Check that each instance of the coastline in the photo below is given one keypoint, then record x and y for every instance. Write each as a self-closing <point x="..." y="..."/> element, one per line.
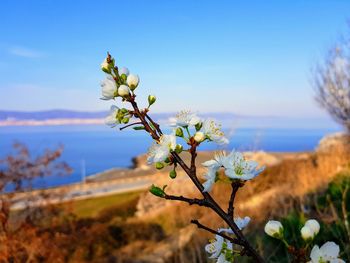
<point x="51" y="122"/>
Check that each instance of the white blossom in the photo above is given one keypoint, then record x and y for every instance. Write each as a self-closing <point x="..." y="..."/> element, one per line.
<point x="111" y="119"/>
<point x="109" y="88"/>
<point x="132" y="81"/>
<point x="219" y="248"/>
<point x="274" y="229"/>
<point x="242" y="222"/>
<point x="124" y="71"/>
<point x="124" y="91"/>
<point x="313" y="225"/>
<point x="213" y="132"/>
<point x="215" y="246"/>
<point x="210" y="177"/>
<point x="236" y="167"/>
<point x="310" y="229"/>
<point x="307" y="233"/>
<point x="185" y="119"/>
<point x="219" y="160"/>
<point x="199" y="136"/>
<point x="329" y="252"/>
<point x="159" y="151"/>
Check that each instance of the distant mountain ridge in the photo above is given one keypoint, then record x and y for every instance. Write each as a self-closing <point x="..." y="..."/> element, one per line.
<point x="227" y="119"/>
<point x="70" y="114"/>
<point x="50" y="114"/>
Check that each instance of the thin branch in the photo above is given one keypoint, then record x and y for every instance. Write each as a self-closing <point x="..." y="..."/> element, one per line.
<point x="190" y="201"/>
<point x="156" y="125"/>
<point x="131" y="124"/>
<point x="235" y="187"/>
<point x="200" y="226"/>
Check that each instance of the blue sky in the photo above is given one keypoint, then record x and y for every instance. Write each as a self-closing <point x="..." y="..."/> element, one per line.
<point x="247" y="57"/>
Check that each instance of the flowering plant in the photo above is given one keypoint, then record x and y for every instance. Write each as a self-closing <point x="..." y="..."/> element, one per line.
<point x="166" y="150"/>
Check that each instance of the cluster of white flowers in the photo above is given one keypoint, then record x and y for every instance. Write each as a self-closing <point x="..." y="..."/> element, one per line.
<point x="118" y="83"/>
<point x="235" y="165"/>
<point x="310" y="229"/>
<point x="111" y="89"/>
<point x="222" y="249"/>
<point x="328" y="253"/>
<point x="204" y="130"/>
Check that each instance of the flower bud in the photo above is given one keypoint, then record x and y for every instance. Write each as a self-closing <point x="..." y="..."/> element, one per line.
<point x="123" y="91"/>
<point x="151" y="99"/>
<point x="159" y="165"/>
<point x="313" y="225"/>
<point x="132" y="81"/>
<point x="125" y="120"/>
<point x="179" y="132"/>
<point x="105" y="66"/>
<point x="172" y="174"/>
<point x="178" y="148"/>
<point x="307" y="233"/>
<point x="199" y="137"/>
<point x="198" y="126"/>
<point x="124" y="71"/>
<point x="274" y="229"/>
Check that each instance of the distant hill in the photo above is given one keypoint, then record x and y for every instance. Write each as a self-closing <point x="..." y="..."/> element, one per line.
<point x="66" y="117"/>
<point x="69" y="114"/>
<point x="50" y="114"/>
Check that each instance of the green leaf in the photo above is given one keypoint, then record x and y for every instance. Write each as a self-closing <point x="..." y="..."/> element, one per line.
<point x="155" y="190"/>
<point x="138" y="128"/>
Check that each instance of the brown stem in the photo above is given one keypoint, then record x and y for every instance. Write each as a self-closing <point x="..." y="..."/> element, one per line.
<point x="190" y="201"/>
<point x="156" y="125"/>
<point x="235" y="187"/>
<point x="233" y="240"/>
<point x="131" y="124"/>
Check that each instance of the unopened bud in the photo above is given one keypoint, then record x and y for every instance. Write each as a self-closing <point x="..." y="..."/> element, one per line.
<point x="124" y="72"/>
<point x="198" y="126"/>
<point x="105" y="66"/>
<point x="125" y="120"/>
<point x="159" y="165"/>
<point x="151" y="99"/>
<point x="132" y="81"/>
<point x="172" y="174"/>
<point x="178" y="148"/>
<point x="274" y="229"/>
<point x="199" y="137"/>
<point x="307" y="233"/>
<point x="179" y="132"/>
<point x="123" y="91"/>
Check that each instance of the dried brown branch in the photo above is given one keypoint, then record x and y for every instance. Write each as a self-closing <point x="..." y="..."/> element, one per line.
<point x="200" y="226"/>
<point x="235" y="187"/>
<point x="190" y="201"/>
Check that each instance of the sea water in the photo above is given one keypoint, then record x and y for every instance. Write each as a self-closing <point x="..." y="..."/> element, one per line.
<point x="89" y="149"/>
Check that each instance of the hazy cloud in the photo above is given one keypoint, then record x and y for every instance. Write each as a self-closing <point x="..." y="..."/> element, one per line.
<point x="25" y="52"/>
